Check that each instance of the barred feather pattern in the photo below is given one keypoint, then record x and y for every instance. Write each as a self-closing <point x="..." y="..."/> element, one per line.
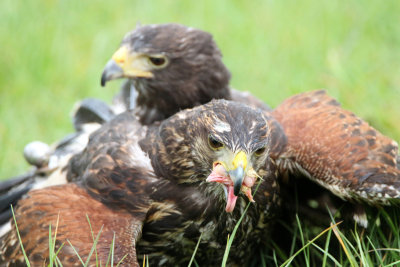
<point x="338" y="150"/>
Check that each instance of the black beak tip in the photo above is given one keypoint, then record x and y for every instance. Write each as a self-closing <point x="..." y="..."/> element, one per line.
<point x="103" y="80"/>
<point x="237" y="177"/>
<point x="236" y="188"/>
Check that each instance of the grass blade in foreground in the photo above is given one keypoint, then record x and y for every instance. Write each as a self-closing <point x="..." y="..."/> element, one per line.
<point x="195" y="250"/>
<point x="349" y="256"/>
<point x="232" y="236"/>
<point x="288" y="261"/>
<point x="19" y="238"/>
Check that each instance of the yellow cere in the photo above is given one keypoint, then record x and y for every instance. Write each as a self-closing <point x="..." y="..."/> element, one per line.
<point x="121" y="55"/>
<point x="240" y="160"/>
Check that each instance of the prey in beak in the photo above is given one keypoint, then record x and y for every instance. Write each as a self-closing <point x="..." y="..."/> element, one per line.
<point x="127" y="64"/>
<point x="235" y="178"/>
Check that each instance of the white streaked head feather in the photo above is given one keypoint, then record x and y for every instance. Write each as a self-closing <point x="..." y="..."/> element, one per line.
<point x="221" y="126"/>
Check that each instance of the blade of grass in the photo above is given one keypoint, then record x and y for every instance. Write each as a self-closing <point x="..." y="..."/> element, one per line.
<point x="263" y="263"/>
<point x="94" y="247"/>
<point x="52" y="242"/>
<point x="76" y="252"/>
<point x="325" y="254"/>
<point x="365" y="260"/>
<point x="293" y="245"/>
<point x="123" y="258"/>
<point x="288" y="261"/>
<point x="393" y="264"/>
<point x="275" y="259"/>
<point x="305" y="251"/>
<point x="338" y="236"/>
<point x="328" y="255"/>
<point x="195" y="250"/>
<point x="230" y="240"/>
<point x="91" y="251"/>
<point x="378" y="256"/>
<point x="50" y="247"/>
<point x="59" y="262"/>
<point x="19" y="238"/>
<point x="386" y="249"/>
<point x="110" y="258"/>
<point x="277" y="251"/>
<point x="58" y="251"/>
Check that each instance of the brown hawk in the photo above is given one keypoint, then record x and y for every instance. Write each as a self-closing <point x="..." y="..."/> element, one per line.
<point x="171" y="67"/>
<point x="157" y="188"/>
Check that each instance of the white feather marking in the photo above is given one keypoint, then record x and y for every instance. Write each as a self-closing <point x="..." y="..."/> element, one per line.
<point x="221" y="126"/>
<point x="5" y="228"/>
<point x="181" y="115"/>
<point x="179" y="139"/>
<point x="139" y="158"/>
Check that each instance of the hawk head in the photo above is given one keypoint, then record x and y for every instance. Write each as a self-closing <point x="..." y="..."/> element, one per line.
<point x="171" y="66"/>
<point x="223" y="146"/>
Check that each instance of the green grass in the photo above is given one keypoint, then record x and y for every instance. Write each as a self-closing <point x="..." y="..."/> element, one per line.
<point x="343" y="245"/>
<point x="53" y="53"/>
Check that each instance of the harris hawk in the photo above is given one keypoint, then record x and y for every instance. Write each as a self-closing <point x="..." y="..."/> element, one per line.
<point x="192" y="189"/>
<point x="157" y="189"/>
<point x="170" y="67"/>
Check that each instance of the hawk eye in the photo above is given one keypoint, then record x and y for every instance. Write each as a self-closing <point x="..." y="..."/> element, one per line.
<point x="158" y="61"/>
<point x="214" y="143"/>
<point x="259" y="151"/>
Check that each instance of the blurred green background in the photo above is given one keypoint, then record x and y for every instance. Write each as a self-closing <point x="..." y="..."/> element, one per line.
<point x="53" y="53"/>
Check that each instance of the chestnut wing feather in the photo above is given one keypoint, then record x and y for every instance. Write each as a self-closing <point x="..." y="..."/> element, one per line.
<point x="337" y="149"/>
<point x="69" y="204"/>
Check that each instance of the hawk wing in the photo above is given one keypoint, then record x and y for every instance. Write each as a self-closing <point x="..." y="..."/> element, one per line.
<point x="65" y="208"/>
<point x="111" y="173"/>
<point x="337" y="149"/>
<point x="49" y="161"/>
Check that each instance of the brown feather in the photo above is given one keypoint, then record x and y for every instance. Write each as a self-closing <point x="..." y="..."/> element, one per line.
<point x="337" y="149"/>
<point x="69" y="204"/>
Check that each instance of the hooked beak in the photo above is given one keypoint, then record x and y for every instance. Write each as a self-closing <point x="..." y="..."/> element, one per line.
<point x="111" y="71"/>
<point x="237" y="175"/>
<point x="235" y="178"/>
<point x="125" y="64"/>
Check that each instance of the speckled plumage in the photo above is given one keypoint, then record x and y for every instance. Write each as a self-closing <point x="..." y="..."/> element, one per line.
<point x="338" y="150"/>
<point x="157" y="186"/>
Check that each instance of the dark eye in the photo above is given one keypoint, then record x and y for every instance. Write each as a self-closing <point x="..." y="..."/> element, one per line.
<point x="214" y="144"/>
<point x="259" y="151"/>
<point x="158" y="61"/>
